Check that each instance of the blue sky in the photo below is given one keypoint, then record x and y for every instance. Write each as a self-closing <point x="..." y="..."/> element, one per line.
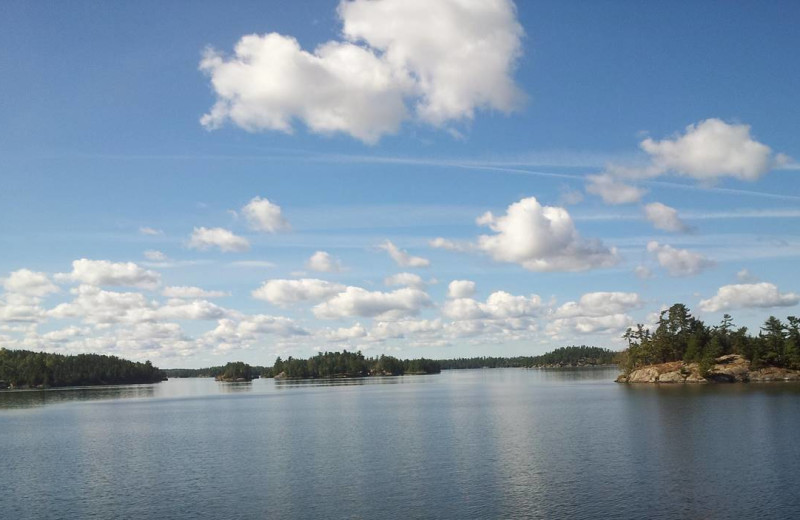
<point x="631" y="157"/>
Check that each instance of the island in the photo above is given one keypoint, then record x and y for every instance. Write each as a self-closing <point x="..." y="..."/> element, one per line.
<point x="26" y="369"/>
<point x="236" y="372"/>
<point x="683" y="349"/>
<point x="349" y="364"/>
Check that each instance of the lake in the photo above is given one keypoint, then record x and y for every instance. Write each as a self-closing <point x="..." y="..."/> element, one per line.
<point x="502" y="443"/>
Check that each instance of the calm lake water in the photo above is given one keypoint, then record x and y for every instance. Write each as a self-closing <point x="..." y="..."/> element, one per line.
<point x="505" y="443"/>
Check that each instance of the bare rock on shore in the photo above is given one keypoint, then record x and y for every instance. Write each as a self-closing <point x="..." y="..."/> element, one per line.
<point x="732" y="368"/>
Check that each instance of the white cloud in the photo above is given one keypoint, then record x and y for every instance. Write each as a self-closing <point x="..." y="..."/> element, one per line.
<point x="203" y="238"/>
<point x="612" y="191"/>
<point x="150" y="231"/>
<point x="679" y="262"/>
<point x="407" y="279"/>
<point x="499" y="305"/>
<point x="451" y="245"/>
<point x="461" y="54"/>
<point x="402" y="257"/>
<point x="405" y="328"/>
<point x="449" y="57"/>
<point x="263" y="215"/>
<point x="29" y="283"/>
<point x="191" y="293"/>
<point x="155" y="256"/>
<point x="103" y="272"/>
<point x="711" y="149"/>
<point x="357" y="331"/>
<point x="97" y="306"/>
<point x="745" y="276"/>
<point x="285" y="292"/>
<point x="541" y="238"/>
<point x="178" y="309"/>
<point x="643" y="272"/>
<point x="614" y="324"/>
<point x="461" y="289"/>
<point x="749" y="295"/>
<point x="598" y="304"/>
<point x="594" y="313"/>
<point x="355" y="301"/>
<point x="664" y="217"/>
<point x="323" y="262"/>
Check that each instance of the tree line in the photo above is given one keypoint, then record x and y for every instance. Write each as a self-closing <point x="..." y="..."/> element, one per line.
<point x="679" y="336"/>
<point x="350" y="364"/>
<point x="565" y="356"/>
<point x="23" y="368"/>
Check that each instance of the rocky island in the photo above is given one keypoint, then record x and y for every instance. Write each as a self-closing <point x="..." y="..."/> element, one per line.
<point x="732" y="368"/>
<point x="683" y="349"/>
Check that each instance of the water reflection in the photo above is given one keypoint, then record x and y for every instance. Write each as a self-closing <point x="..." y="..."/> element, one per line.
<point x="227" y="387"/>
<point x="37" y="398"/>
<point x="347" y="381"/>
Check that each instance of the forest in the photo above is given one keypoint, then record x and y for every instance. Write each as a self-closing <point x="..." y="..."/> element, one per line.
<point x="23" y="368"/>
<point x="679" y="336"/>
<point x="236" y="371"/>
<point x="350" y="364"/>
<point x="214" y="371"/>
<point x="563" y="356"/>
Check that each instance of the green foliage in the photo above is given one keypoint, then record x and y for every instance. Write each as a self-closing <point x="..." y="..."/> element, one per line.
<point x="236" y="371"/>
<point x="679" y="336"/>
<point x="349" y="364"/>
<point x="21" y="368"/>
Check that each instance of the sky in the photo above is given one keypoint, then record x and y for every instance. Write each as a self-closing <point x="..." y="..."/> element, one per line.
<point x="196" y="183"/>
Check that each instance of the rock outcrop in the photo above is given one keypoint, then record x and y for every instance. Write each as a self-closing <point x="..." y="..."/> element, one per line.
<point x="732" y="368"/>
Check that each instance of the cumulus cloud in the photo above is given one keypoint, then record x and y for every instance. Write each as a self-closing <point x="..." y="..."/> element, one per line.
<point x="498" y="305"/>
<point x="263" y="215"/>
<point x="643" y="272"/>
<point x="103" y="272"/>
<point x="448" y="58"/>
<point x="203" y="238"/>
<point x="285" y="292"/>
<point x="191" y="293"/>
<point x="357" y="331"/>
<point x="613" y="191"/>
<point x="461" y="289"/>
<point x="98" y="306"/>
<point x="407" y="279"/>
<point x="679" y="262"/>
<point x="541" y="238"/>
<point x="402" y="257"/>
<point x="736" y="296"/>
<point x="358" y="302"/>
<point x="405" y="328"/>
<point x="594" y="313"/>
<point x="664" y="217"/>
<point x="29" y="283"/>
<point x="709" y="150"/>
<point x="323" y="262"/>
<point x="597" y="304"/>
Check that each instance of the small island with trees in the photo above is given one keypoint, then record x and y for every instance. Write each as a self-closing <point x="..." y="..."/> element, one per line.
<point x="683" y="349"/>
<point x="25" y="369"/>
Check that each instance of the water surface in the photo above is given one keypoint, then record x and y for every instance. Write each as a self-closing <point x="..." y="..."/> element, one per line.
<point x="503" y="443"/>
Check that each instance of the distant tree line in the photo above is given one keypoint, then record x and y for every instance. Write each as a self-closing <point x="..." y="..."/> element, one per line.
<point x="679" y="336"/>
<point x="215" y="371"/>
<point x="349" y="364"/>
<point x="573" y="355"/>
<point x="23" y="368"/>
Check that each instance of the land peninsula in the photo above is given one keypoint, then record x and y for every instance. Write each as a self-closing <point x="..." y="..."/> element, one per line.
<point x="26" y="369"/>
<point x="683" y="349"/>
